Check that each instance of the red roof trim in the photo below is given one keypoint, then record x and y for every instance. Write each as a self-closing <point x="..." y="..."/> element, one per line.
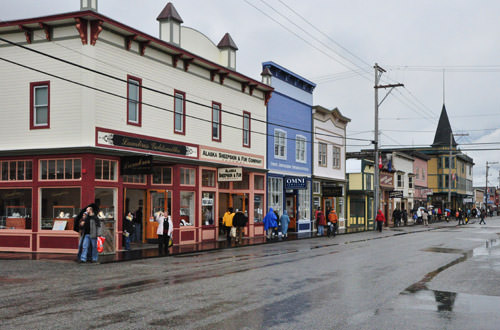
<point x="88" y="14"/>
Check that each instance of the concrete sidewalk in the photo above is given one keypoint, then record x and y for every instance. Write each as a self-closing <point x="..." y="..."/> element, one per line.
<point x="151" y="251"/>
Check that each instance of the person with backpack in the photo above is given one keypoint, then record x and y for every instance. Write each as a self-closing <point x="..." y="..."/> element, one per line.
<point x="164" y="231"/>
<point x="332" y="222"/>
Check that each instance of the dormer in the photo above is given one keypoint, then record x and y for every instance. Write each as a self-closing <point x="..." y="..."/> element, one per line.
<point x="170" y="25"/>
<point x="88" y="5"/>
<point x="266" y="76"/>
<point x="228" y="50"/>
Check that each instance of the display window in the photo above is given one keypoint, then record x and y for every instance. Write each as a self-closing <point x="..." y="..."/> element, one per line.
<point x="208" y="178"/>
<point x="106" y="199"/>
<point x="258" y="208"/>
<point x="208" y="208"/>
<point x="16" y="170"/>
<point x="15" y="208"/>
<point x="187" y="210"/>
<point x="275" y="193"/>
<point x="59" y="207"/>
<point x="60" y="169"/>
<point x="304" y="202"/>
<point x="258" y="182"/>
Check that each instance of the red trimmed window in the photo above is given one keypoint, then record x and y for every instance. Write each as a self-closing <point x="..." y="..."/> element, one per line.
<point x="216" y="121"/>
<point x="134" y="100"/>
<point x="16" y="170"/>
<point x="40" y="105"/>
<point x="179" y="112"/>
<point x="106" y="170"/>
<point x="246" y="129"/>
<point x="60" y="169"/>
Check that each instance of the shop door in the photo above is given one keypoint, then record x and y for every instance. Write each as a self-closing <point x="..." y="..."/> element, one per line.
<point x="239" y="202"/>
<point x="134" y="201"/>
<point x="328" y="203"/>
<point x="157" y="200"/>
<point x="291" y="207"/>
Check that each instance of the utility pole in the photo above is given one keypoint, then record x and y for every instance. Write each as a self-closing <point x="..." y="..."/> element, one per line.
<point x="376" y="180"/>
<point x="450" y="167"/>
<point x="486" y="192"/>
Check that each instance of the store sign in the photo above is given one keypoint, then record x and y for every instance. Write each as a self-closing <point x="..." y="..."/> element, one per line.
<point x="387" y="180"/>
<point x="230" y="174"/>
<point x="293" y="182"/>
<point x="331" y="191"/>
<point x="207" y="201"/>
<point x="132" y="142"/>
<point x="136" y="165"/>
<point x="396" y="194"/>
<point x="229" y="157"/>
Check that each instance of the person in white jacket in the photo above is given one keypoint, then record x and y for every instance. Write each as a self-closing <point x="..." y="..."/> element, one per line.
<point x="165" y="229"/>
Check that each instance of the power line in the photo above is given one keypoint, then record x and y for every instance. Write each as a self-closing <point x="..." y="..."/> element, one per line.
<point x="170" y="95"/>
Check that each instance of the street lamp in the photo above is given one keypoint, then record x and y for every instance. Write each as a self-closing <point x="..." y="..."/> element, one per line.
<point x="487" y="167"/>
<point x="449" y="165"/>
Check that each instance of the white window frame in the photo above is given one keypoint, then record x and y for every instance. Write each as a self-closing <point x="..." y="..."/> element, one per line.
<point x="317" y="187"/>
<point x="179" y="111"/>
<point x="300" y="149"/>
<point x="336" y="151"/>
<point x="40" y="106"/>
<point x="322" y="155"/>
<point x="280" y="143"/>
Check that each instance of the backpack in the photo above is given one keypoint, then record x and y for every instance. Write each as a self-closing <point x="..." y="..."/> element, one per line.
<point x="165" y="226"/>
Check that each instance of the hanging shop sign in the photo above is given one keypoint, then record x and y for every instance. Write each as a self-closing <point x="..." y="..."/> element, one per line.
<point x="136" y="165"/>
<point x="396" y="194"/>
<point x="121" y="140"/>
<point x="331" y="191"/>
<point x="294" y="182"/>
<point x="229" y="157"/>
<point x="386" y="180"/>
<point x="230" y="174"/>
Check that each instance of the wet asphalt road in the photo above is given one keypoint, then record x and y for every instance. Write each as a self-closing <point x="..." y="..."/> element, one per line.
<point x="444" y="278"/>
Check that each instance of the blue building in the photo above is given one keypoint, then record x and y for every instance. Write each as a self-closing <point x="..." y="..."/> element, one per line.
<point x="289" y="148"/>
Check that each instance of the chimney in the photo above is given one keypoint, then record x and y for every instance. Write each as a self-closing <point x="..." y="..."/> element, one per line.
<point x="170" y="25"/>
<point x="88" y="5"/>
<point x="228" y="51"/>
<point x="266" y="76"/>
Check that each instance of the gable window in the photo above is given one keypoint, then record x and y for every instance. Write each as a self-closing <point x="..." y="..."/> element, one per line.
<point x="322" y="147"/>
<point x="40" y="105"/>
<point x="336" y="157"/>
<point x="179" y="112"/>
<point x="246" y="129"/>
<point x="216" y="121"/>
<point x="279" y="144"/>
<point x="300" y="149"/>
<point x="134" y="96"/>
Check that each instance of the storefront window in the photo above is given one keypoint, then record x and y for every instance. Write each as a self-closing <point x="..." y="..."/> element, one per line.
<point x="16" y="170"/>
<point x="275" y="199"/>
<point x="340" y="207"/>
<point x="258" y="208"/>
<point x="223" y="185"/>
<point x="208" y="178"/>
<point x="258" y="182"/>
<point x="105" y="169"/>
<point x="187" y="176"/>
<point x="187" y="208"/>
<point x="304" y="202"/>
<point x="106" y="199"/>
<point x="59" y="207"/>
<point x="207" y="208"/>
<point x="15" y="208"/>
<point x="137" y="178"/>
<point x="60" y="169"/>
<point x="243" y="184"/>
<point x="162" y="175"/>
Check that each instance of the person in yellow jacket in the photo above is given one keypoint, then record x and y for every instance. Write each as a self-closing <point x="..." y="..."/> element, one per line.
<point x="227" y="222"/>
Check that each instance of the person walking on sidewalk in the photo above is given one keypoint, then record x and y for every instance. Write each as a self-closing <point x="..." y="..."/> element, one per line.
<point x="460" y="217"/>
<point x="425" y="217"/>
<point x="91" y="226"/>
<point x="128" y="229"/>
<point x="380" y="220"/>
<point x="270" y="223"/>
<point x="321" y="221"/>
<point x="164" y="231"/>
<point x="482" y="215"/>
<point x="404" y="215"/>
<point x="239" y="221"/>
<point x="396" y="215"/>
<point x="332" y="222"/>
<point x="285" y="220"/>
<point x="227" y="222"/>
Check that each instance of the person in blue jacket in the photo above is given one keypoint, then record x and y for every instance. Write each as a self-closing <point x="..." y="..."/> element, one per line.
<point x="270" y="222"/>
<point x="285" y="220"/>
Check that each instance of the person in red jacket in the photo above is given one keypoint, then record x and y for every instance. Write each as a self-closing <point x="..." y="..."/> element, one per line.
<point x="380" y="220"/>
<point x="321" y="222"/>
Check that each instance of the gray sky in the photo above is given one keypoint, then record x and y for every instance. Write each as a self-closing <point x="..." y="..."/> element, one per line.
<point x="336" y="47"/>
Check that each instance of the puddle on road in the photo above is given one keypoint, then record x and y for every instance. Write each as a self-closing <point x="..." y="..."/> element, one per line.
<point x="419" y="296"/>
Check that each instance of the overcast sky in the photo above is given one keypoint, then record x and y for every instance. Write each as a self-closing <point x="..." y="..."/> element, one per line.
<point x="336" y="43"/>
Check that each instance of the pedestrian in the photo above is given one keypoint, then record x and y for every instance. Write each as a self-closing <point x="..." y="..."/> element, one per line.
<point x="91" y="226"/>
<point x="128" y="229"/>
<point x="439" y="214"/>
<point x="425" y="217"/>
<point x="482" y="215"/>
<point x="380" y="220"/>
<point x="239" y="221"/>
<point x="332" y="222"/>
<point x="138" y="225"/>
<point x="270" y="223"/>
<point x="276" y="230"/>
<point x="321" y="221"/>
<point x="396" y="215"/>
<point x="285" y="221"/>
<point x="164" y="231"/>
<point x="460" y="217"/>
<point x="419" y="215"/>
<point x="404" y="215"/>
<point x="227" y="222"/>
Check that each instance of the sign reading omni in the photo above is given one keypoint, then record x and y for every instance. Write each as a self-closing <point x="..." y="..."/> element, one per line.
<point x="293" y="182"/>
